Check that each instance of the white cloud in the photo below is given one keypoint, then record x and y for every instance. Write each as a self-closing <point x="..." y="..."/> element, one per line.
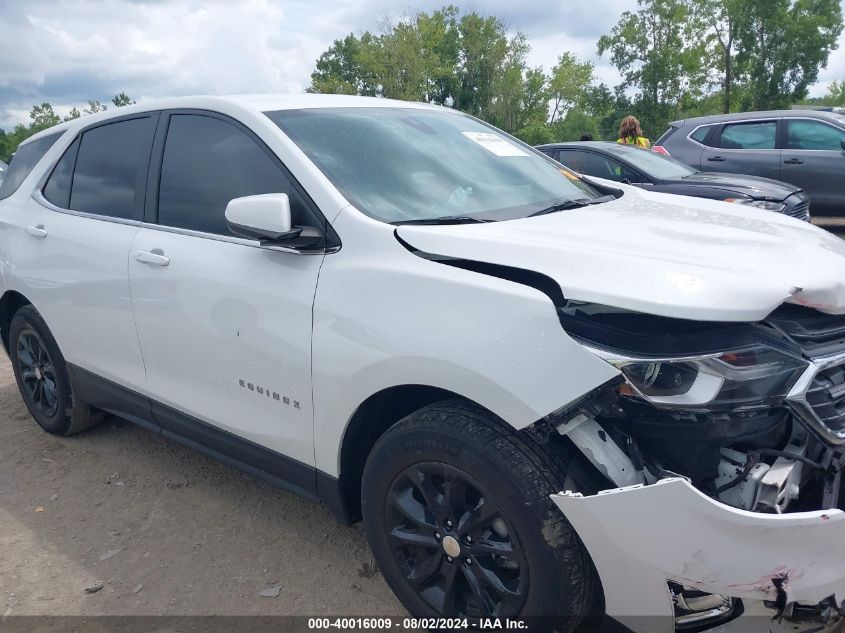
<point x="70" y="51"/>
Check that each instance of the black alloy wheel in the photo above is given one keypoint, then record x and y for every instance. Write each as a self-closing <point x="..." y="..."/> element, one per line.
<point x="37" y="373"/>
<point x="454" y="543"/>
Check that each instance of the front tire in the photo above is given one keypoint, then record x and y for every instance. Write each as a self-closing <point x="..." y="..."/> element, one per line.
<point x="42" y="376"/>
<point x="458" y="516"/>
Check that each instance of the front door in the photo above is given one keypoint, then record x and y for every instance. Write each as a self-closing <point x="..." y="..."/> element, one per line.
<point x="814" y="160"/>
<point x="224" y="323"/>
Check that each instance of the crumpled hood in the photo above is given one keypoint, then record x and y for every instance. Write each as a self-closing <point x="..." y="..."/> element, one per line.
<point x="661" y="254"/>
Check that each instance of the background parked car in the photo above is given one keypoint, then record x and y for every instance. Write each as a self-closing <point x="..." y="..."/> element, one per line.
<point x="803" y="147"/>
<point x="3" y="167"/>
<point x="650" y="170"/>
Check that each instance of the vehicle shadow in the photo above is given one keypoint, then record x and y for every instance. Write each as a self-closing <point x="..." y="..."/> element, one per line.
<point x="167" y="530"/>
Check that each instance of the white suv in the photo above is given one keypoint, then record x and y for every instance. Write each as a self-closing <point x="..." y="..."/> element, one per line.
<point x="545" y="395"/>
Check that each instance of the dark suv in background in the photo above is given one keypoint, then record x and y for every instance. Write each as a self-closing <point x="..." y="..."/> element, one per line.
<point x="650" y="170"/>
<point x="802" y="147"/>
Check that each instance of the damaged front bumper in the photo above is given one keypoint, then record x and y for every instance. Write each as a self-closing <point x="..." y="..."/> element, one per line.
<point x="643" y="537"/>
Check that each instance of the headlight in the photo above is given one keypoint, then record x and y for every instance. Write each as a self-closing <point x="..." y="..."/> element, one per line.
<point x="760" y="204"/>
<point x="750" y="377"/>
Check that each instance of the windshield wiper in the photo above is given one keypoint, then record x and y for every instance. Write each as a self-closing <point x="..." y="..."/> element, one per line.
<point x="577" y="203"/>
<point x="447" y="219"/>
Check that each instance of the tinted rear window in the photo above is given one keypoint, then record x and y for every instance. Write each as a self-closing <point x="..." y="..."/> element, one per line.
<point x="24" y="160"/>
<point x="57" y="189"/>
<point x="111" y="169"/>
<point x="701" y="133"/>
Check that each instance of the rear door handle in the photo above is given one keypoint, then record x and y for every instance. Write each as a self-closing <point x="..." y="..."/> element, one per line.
<point x="37" y="231"/>
<point x="793" y="161"/>
<point x="717" y="159"/>
<point x="154" y="257"/>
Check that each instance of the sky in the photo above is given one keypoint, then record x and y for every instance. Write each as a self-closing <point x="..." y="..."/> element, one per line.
<point x="70" y="51"/>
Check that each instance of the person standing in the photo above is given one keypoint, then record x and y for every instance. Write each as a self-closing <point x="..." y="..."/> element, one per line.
<point x="630" y="133"/>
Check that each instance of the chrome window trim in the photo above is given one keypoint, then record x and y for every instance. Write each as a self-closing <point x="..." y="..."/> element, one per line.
<point x="734" y="121"/>
<point x="233" y="239"/>
<point x="797" y="398"/>
<point x="40" y="199"/>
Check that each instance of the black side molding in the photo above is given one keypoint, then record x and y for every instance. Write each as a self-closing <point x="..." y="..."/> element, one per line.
<point x="238" y="452"/>
<point x="531" y="278"/>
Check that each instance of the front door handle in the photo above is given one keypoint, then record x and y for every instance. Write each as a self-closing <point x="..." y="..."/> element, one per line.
<point x="154" y="257"/>
<point x="37" y="231"/>
<point x="717" y="159"/>
<point x="793" y="161"/>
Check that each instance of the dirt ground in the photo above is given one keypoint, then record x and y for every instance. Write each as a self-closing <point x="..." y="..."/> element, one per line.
<point x="167" y="531"/>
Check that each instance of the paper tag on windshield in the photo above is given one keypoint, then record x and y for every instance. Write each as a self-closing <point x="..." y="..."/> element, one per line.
<point x="495" y="144"/>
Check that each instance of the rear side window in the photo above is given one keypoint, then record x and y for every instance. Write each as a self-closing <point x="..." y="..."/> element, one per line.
<point x="207" y="162"/>
<point x="700" y="134"/>
<point x="24" y="160"/>
<point x="807" y="134"/>
<point x="57" y="189"/>
<point x="111" y="169"/>
<point x="753" y="135"/>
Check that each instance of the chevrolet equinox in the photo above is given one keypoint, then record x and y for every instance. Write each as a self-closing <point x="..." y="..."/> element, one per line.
<point x="545" y="395"/>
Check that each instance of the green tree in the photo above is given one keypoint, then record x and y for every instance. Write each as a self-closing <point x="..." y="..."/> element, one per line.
<point x="568" y="84"/>
<point x="94" y="106"/>
<point x="343" y="68"/>
<point x="784" y="44"/>
<point x="723" y="20"/>
<point x="121" y="99"/>
<point x="43" y="116"/>
<point x="835" y="95"/>
<point x="73" y="114"/>
<point x="467" y="61"/>
<point x="658" y="50"/>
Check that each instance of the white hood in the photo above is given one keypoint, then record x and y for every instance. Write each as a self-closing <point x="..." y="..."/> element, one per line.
<point x="660" y="254"/>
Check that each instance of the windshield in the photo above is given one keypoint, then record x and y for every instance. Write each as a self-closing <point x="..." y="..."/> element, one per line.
<point x="653" y="164"/>
<point x="409" y="164"/>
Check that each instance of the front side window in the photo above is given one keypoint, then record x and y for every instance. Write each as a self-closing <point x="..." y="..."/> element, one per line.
<point x="753" y="135"/>
<point x="597" y="165"/>
<point x="808" y="134"/>
<point x="111" y="169"/>
<point x="23" y="162"/>
<point x="207" y="163"/>
<point x="411" y="164"/>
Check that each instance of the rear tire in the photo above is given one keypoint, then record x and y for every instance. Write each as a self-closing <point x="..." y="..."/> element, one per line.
<point x="458" y="516"/>
<point x="43" y="379"/>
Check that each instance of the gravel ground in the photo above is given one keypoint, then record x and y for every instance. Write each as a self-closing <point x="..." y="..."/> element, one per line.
<point x="166" y="530"/>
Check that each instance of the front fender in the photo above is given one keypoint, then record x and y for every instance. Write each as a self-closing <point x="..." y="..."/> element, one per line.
<point x="384" y="317"/>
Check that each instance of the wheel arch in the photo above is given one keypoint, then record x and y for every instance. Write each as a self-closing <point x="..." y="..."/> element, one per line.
<point x="372" y="418"/>
<point x="10" y="302"/>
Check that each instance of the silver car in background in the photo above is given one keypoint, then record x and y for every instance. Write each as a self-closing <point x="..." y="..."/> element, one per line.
<point x="803" y="147"/>
<point x="3" y="167"/>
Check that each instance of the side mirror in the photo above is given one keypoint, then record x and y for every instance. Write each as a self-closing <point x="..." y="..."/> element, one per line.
<point x="264" y="217"/>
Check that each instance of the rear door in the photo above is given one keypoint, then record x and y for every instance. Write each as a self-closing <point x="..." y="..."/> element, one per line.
<point x="744" y="147"/>
<point x="813" y="159"/>
<point x="71" y="246"/>
<point x="224" y="322"/>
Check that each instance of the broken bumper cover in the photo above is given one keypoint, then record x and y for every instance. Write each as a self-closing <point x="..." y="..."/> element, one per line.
<point x="640" y="537"/>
